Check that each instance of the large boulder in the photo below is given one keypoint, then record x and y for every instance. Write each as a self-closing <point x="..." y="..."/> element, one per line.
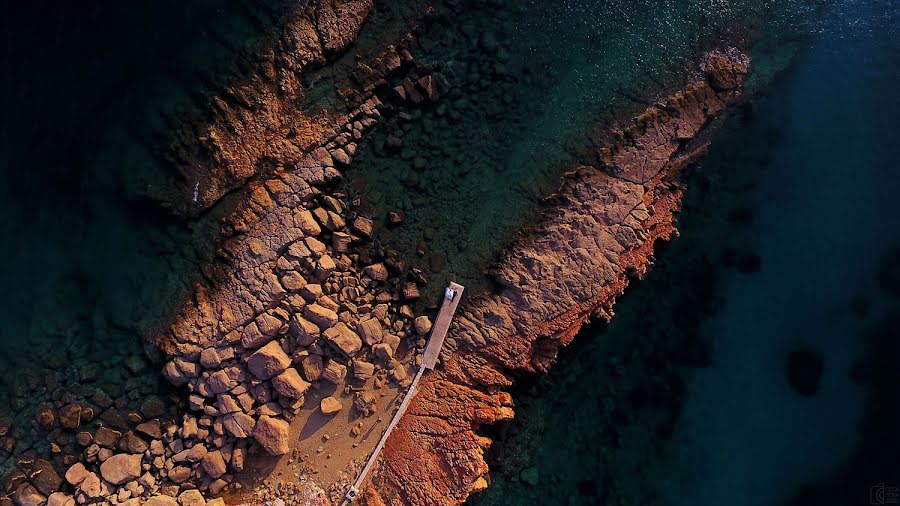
<point x="321" y="316"/>
<point x="27" y="495"/>
<point x="268" y="361"/>
<point x="272" y="434"/>
<point x="214" y="464"/>
<point x="290" y="384"/>
<point x="121" y="468"/>
<point x="44" y="477"/>
<point x="343" y="339"/>
<point x="370" y="330"/>
<point x="330" y="405"/>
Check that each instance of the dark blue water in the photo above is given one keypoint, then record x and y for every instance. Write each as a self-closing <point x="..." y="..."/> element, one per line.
<point x="91" y="262"/>
<point x="785" y="225"/>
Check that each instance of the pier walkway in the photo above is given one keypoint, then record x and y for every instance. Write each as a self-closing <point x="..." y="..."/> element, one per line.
<point x="452" y="296"/>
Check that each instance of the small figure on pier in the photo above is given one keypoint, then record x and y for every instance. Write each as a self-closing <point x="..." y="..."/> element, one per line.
<point x="449" y="293"/>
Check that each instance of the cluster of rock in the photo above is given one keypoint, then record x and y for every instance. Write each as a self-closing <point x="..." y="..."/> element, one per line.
<point x="300" y="297"/>
<point x="568" y="268"/>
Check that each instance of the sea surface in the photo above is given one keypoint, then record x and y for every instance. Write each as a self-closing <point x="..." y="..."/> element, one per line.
<point x="91" y="262"/>
<point x="686" y="398"/>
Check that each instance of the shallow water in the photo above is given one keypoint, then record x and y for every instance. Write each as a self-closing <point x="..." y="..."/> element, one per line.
<point x="531" y="83"/>
<point x="802" y="182"/>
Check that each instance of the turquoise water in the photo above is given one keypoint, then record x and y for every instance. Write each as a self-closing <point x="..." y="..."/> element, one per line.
<point x="684" y="398"/>
<point x="529" y="84"/>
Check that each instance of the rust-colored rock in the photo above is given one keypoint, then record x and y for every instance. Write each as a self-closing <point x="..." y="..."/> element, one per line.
<point x="572" y="266"/>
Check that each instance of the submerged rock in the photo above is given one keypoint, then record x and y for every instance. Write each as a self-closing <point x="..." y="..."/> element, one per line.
<point x="805" y="367"/>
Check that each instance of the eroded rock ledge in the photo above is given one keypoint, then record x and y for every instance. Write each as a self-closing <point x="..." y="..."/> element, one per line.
<point x="570" y="267"/>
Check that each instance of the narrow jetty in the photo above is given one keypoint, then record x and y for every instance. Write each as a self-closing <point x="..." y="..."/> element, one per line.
<point x="452" y="296"/>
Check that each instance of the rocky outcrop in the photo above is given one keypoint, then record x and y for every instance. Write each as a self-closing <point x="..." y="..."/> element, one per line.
<point x="257" y="125"/>
<point x="281" y="309"/>
<point x="557" y="275"/>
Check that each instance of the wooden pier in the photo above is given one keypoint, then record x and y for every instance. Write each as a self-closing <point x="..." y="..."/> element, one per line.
<point x="452" y="295"/>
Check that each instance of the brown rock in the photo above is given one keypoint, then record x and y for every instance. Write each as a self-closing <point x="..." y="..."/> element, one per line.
<point x="396" y="217"/>
<point x="312" y="367"/>
<point x="193" y="454"/>
<point x="377" y="272"/>
<point x="293" y="281"/>
<point x="107" y="437"/>
<point x="411" y="291"/>
<point x="120" y="469"/>
<point x="44" y="477"/>
<point x="303" y="330"/>
<point x="323" y="318"/>
<point x="428" y="87"/>
<point x="76" y="474"/>
<point x="60" y="499"/>
<point x="191" y="498"/>
<point x="210" y="359"/>
<point x="343" y="339"/>
<point x="362" y="370"/>
<point x="45" y="417"/>
<point x="364" y="403"/>
<point x="383" y="351"/>
<point x="27" y="495"/>
<point x="220" y="382"/>
<point x="180" y="474"/>
<point x="91" y="486"/>
<point x="370" y="330"/>
<point x="290" y="384"/>
<point x="272" y="434"/>
<point x="131" y="443"/>
<point x="324" y="267"/>
<point x="150" y="428"/>
<point x="161" y="500"/>
<point x="214" y="464"/>
<point x="239" y="424"/>
<point x="70" y="416"/>
<point x="364" y="226"/>
<point x="423" y="325"/>
<point x="330" y="405"/>
<point x="334" y="372"/>
<point x="268" y="361"/>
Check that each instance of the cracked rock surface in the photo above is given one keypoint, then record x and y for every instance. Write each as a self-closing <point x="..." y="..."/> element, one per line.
<point x="566" y="269"/>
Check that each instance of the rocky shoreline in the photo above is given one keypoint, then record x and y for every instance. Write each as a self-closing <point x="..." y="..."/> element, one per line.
<point x="305" y="314"/>
<point x="299" y="300"/>
<point x="569" y="268"/>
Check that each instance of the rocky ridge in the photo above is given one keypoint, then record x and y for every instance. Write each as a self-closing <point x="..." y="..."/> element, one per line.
<point x="570" y="267"/>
